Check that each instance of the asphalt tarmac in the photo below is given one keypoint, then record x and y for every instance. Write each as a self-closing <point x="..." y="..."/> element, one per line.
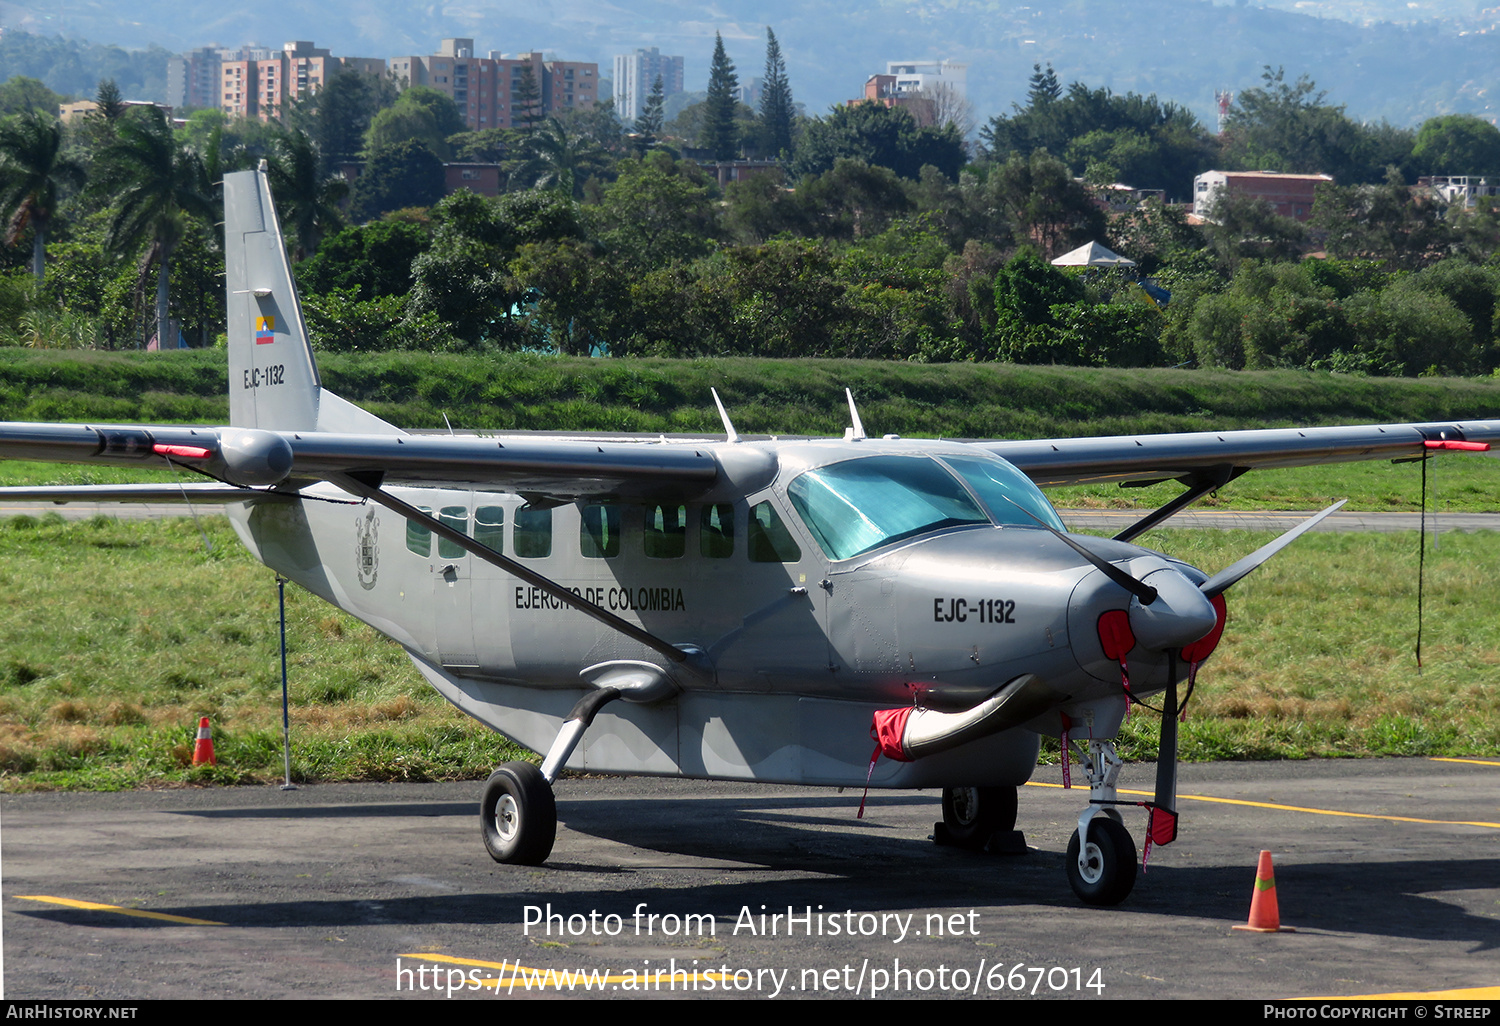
<point x="1388" y="869"/>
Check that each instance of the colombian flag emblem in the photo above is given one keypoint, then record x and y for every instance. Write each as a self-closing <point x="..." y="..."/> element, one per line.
<point x="265" y="330"/>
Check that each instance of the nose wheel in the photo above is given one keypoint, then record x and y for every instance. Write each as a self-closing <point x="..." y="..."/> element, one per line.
<point x="518" y="815"/>
<point x="1105" y="872"/>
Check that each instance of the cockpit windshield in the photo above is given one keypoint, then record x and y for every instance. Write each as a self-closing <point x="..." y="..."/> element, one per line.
<point x="855" y="506"/>
<point x="1002" y="488"/>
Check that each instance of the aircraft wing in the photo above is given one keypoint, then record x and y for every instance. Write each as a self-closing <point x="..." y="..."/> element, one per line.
<point x="1208" y="455"/>
<point x="567" y="468"/>
<point x="559" y="468"/>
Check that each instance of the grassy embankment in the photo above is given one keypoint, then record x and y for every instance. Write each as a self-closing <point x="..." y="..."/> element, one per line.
<point x="117" y="636"/>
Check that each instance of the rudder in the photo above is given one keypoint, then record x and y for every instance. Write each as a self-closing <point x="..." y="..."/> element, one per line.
<point x="273" y="379"/>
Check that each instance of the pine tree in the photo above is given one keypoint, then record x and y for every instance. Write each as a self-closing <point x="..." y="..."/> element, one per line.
<point x="1045" y="88"/>
<point x="526" y="101"/>
<point x="776" y="110"/>
<point x="719" y="136"/>
<point x="653" y="112"/>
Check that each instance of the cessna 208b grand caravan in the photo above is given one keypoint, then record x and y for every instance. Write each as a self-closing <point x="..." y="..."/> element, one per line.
<point x="737" y="609"/>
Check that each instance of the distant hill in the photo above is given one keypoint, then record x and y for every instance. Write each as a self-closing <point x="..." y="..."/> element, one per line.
<point x="1183" y="50"/>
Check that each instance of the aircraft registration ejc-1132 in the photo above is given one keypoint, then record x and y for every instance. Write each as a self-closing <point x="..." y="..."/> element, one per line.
<point x="729" y="609"/>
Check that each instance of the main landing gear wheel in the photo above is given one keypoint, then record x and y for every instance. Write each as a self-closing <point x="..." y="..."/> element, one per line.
<point x="518" y="815"/>
<point x="1108" y="873"/>
<point x="972" y="816"/>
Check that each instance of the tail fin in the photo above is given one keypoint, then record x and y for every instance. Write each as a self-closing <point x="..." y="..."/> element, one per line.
<point x="273" y="379"/>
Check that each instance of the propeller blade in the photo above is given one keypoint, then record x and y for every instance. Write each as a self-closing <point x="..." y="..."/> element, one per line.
<point x="1140" y="589"/>
<point x="1226" y="578"/>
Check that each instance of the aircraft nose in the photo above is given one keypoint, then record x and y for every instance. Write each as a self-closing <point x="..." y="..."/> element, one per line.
<point x="1179" y="616"/>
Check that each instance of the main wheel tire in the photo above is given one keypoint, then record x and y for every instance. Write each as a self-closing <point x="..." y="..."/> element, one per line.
<point x="972" y="814"/>
<point x="1109" y="871"/>
<point x="518" y="815"/>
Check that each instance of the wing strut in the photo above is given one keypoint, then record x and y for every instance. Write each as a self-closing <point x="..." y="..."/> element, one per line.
<point x="1199" y="485"/>
<point x="357" y="485"/>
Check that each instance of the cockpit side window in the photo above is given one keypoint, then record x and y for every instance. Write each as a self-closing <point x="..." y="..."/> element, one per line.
<point x="858" y="505"/>
<point x="769" y="540"/>
<point x="1002" y="488"/>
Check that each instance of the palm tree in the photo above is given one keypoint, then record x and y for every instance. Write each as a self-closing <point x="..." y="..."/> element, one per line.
<point x="307" y="200"/>
<point x="32" y="172"/>
<point x="560" y="159"/>
<point x="156" y="185"/>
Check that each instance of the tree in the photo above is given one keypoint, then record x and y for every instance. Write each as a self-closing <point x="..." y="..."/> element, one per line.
<point x="878" y="135"/>
<point x="158" y="186"/>
<point x="1049" y="209"/>
<point x="32" y="173"/>
<point x="657" y="211"/>
<point x="719" y="135"/>
<point x="422" y="114"/>
<point x="776" y="109"/>
<point x="407" y="174"/>
<point x="559" y="158"/>
<point x="21" y="94"/>
<point x="369" y="260"/>
<point x="653" y="111"/>
<point x="1457" y="144"/>
<point x="337" y="116"/>
<point x="1287" y="127"/>
<point x="307" y="199"/>
<point x="526" y="101"/>
<point x="1045" y="88"/>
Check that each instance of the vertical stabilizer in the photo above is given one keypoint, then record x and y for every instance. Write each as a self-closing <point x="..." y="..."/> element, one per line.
<point x="273" y="381"/>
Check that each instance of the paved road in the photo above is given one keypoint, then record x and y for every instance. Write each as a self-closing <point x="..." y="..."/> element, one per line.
<point x="321" y="891"/>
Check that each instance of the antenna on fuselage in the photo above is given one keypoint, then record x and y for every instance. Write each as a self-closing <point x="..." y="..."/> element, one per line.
<point x="734" y="436"/>
<point x="857" y="432"/>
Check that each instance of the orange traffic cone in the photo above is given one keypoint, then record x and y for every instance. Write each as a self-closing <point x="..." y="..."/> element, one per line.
<point x="203" y="748"/>
<point x="1265" y="917"/>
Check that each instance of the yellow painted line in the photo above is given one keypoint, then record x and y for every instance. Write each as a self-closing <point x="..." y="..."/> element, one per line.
<point x="521" y="975"/>
<point x="1300" y="808"/>
<point x="1471" y="994"/>
<point x="96" y="907"/>
<point x="1472" y="762"/>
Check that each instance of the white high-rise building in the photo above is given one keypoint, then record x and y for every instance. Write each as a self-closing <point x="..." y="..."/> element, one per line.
<point x="635" y="73"/>
<point x="921" y="77"/>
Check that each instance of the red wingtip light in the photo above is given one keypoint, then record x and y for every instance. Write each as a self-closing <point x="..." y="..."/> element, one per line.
<point x="1445" y="443"/>
<point x="187" y="452"/>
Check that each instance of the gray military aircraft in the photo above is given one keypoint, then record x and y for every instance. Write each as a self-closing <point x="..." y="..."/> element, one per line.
<point x="730" y="609"/>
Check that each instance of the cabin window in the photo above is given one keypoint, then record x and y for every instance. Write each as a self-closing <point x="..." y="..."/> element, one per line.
<point x="716" y="531"/>
<point x="770" y="541"/>
<point x="489" y="526"/>
<point x="532" y="538"/>
<point x="599" y="531"/>
<point x="666" y="531"/>
<point x="858" y="505"/>
<point x="418" y="536"/>
<point x="456" y="517"/>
